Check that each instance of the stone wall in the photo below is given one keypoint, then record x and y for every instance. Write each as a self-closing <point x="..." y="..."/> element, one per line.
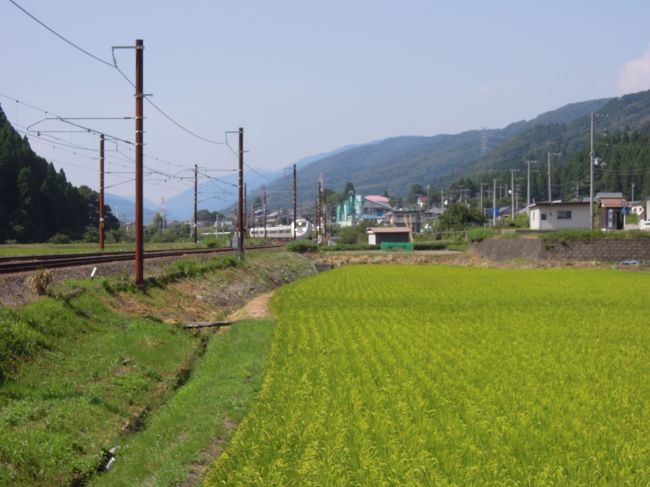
<point x="604" y="249"/>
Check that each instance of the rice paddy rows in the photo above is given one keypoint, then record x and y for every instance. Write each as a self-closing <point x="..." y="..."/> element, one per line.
<point x="429" y="375"/>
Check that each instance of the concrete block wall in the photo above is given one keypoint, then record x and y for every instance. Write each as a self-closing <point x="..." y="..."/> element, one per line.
<point x="605" y="249"/>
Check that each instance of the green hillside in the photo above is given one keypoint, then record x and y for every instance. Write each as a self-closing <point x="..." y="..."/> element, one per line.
<point x="36" y="201"/>
<point x="622" y="142"/>
<point x="395" y="164"/>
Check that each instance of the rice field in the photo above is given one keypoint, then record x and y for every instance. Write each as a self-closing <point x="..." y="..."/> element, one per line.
<point x="432" y="375"/>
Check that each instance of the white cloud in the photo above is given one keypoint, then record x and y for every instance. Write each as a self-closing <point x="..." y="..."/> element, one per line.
<point x="634" y="75"/>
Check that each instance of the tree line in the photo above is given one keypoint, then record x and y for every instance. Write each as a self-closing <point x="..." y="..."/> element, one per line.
<point x="622" y="165"/>
<point x="37" y="202"/>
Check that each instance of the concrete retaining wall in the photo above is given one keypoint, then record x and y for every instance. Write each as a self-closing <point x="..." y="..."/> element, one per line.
<point x="604" y="249"/>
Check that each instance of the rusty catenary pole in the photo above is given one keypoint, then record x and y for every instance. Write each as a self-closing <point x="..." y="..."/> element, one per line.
<point x="240" y="203"/>
<point x="101" y="192"/>
<point x="139" y="128"/>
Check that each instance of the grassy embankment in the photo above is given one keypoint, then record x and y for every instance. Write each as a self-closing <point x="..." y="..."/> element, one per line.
<point x="433" y="375"/>
<point x="81" y="375"/>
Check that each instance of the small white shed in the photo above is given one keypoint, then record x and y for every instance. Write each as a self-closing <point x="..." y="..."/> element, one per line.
<point x="560" y="215"/>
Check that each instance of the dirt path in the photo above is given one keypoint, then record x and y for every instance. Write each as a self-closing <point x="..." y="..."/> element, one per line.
<point x="256" y="309"/>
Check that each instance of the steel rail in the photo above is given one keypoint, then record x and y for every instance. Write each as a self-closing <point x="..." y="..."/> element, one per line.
<point x="29" y="263"/>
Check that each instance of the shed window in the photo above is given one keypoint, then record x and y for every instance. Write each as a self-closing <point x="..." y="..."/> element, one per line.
<point x="564" y="215"/>
<point x="543" y="216"/>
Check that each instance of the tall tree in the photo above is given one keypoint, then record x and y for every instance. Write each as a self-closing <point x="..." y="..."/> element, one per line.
<point x="36" y="201"/>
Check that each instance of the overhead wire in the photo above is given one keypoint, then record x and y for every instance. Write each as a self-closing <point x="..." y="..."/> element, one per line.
<point x="115" y="66"/>
<point x="64" y="39"/>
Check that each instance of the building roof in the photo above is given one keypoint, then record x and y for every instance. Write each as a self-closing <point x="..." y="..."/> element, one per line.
<point x="546" y="204"/>
<point x="376" y="198"/>
<point x="613" y="203"/>
<point x="389" y="230"/>
<point x="608" y="194"/>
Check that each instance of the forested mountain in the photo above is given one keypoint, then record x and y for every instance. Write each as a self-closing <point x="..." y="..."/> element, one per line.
<point x="622" y="142"/>
<point x="396" y="164"/>
<point x="36" y="201"/>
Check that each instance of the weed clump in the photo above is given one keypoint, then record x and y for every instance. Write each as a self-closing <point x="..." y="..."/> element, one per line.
<point x="40" y="281"/>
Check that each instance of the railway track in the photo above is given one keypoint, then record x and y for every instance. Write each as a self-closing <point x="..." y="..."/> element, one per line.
<point x="27" y="263"/>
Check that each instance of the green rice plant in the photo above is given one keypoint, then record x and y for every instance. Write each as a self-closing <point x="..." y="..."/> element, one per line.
<point x="433" y="375"/>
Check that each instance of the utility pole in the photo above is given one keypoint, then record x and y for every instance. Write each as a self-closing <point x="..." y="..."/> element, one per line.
<point x="318" y="210"/>
<point x="264" y="216"/>
<point x="245" y="208"/>
<point x="196" y="202"/>
<point x="591" y="175"/>
<point x="295" y="208"/>
<point x="139" y="132"/>
<point x="528" y="163"/>
<point x="325" y="215"/>
<point x="101" y="192"/>
<point x="548" y="173"/>
<point x="494" y="202"/>
<point x="512" y="194"/>
<point x="481" y="198"/>
<point x="442" y="200"/>
<point x="632" y="191"/>
<point x="240" y="202"/>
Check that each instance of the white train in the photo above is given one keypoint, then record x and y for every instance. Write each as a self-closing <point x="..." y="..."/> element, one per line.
<point x="304" y="230"/>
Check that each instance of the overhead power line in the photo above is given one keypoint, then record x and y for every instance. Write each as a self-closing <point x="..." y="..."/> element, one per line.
<point x="115" y="66"/>
<point x="64" y="39"/>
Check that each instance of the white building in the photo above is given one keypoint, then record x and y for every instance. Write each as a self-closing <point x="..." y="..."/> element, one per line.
<point x="559" y="216"/>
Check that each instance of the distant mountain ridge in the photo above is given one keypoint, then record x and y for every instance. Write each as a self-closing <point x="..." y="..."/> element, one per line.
<point x="396" y="163"/>
<point x="222" y="193"/>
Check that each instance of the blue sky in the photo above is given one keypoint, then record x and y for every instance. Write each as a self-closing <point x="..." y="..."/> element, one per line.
<point x="305" y="77"/>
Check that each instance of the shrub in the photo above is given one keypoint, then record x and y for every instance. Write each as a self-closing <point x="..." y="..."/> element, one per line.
<point x="91" y="234"/>
<point x="478" y="234"/>
<point x="59" y="238"/>
<point x="344" y="246"/>
<point x="302" y="246"/>
<point x="436" y="245"/>
<point x="568" y="235"/>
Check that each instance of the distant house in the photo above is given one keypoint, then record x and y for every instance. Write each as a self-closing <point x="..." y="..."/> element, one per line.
<point x="559" y="216"/>
<point x="358" y="208"/>
<point x="377" y="235"/>
<point x="374" y="207"/>
<point x="636" y="208"/>
<point x="422" y="201"/>
<point x="612" y="213"/>
<point x="404" y="218"/>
